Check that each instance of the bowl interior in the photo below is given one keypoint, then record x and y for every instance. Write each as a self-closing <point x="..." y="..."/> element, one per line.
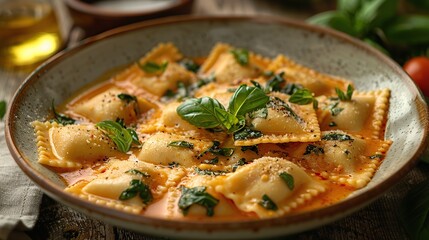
<point x="322" y="50"/>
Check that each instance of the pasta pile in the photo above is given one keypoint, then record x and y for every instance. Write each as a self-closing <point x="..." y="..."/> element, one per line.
<point x="233" y="135"/>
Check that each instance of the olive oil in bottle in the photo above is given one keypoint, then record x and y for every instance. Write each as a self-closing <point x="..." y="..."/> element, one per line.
<point x="29" y="33"/>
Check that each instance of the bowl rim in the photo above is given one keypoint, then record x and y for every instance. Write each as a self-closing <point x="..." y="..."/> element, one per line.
<point x="86" y="8"/>
<point x="292" y="219"/>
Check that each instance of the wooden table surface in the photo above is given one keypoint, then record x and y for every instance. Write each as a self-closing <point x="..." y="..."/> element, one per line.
<point x="377" y="221"/>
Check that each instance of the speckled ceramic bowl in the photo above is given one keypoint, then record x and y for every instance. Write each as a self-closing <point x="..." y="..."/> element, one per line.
<point x="324" y="50"/>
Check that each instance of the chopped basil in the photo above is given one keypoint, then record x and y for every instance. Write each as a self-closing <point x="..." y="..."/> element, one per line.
<point x="280" y="106"/>
<point x="240" y="162"/>
<point x="121" y="136"/>
<point x="288" y="179"/>
<point x="61" y="118"/>
<point x="291" y="88"/>
<point x="207" y="112"/>
<point x="137" y="187"/>
<point x="274" y="83"/>
<point x="345" y="96"/>
<point x="152" y="67"/>
<point x="181" y="144"/>
<point x="209" y="172"/>
<point x="267" y="203"/>
<point x="190" y="65"/>
<point x="2" y="109"/>
<point x="313" y="149"/>
<point x="332" y="124"/>
<point x="197" y="195"/>
<point x="138" y="172"/>
<point x="336" y="137"/>
<point x="335" y="110"/>
<point x="214" y="160"/>
<point x="173" y="165"/>
<point x="261" y="113"/>
<point x="247" y="133"/>
<point x="216" y="150"/>
<point x="376" y="156"/>
<point x="253" y="148"/>
<point x="302" y="97"/>
<point x="127" y="97"/>
<point x="241" y="56"/>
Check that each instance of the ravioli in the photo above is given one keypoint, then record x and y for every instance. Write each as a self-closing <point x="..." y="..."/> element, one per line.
<point x="232" y="136"/>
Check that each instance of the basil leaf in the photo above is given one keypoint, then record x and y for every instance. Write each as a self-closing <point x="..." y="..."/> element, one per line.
<point x="201" y="112"/>
<point x="209" y="172"/>
<point x="190" y="65"/>
<point x="197" y="195"/>
<point x="137" y="187"/>
<point x="247" y="133"/>
<point x="349" y="6"/>
<point x="408" y="30"/>
<point x="2" y="109"/>
<point x="247" y="99"/>
<point x="119" y="135"/>
<point x="302" y="97"/>
<point x="61" y="118"/>
<point x="291" y="88"/>
<point x="216" y="150"/>
<point x="414" y="211"/>
<point x="334" y="19"/>
<point x="337" y="137"/>
<point x="313" y="149"/>
<point x="273" y="85"/>
<point x="181" y="144"/>
<point x="152" y="67"/>
<point x="374" y="13"/>
<point x="212" y="161"/>
<point x="345" y="96"/>
<point x="280" y="106"/>
<point x="145" y="193"/>
<point x="138" y="172"/>
<point x="229" y="121"/>
<point x="127" y="97"/>
<point x="253" y="148"/>
<point x="241" y="162"/>
<point x="134" y="136"/>
<point x="267" y="203"/>
<point x="288" y="179"/>
<point x="241" y="56"/>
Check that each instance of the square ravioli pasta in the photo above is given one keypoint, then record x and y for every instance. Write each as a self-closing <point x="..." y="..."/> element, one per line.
<point x="228" y="136"/>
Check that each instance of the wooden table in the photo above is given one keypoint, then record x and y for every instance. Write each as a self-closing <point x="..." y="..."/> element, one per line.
<point x="377" y="221"/>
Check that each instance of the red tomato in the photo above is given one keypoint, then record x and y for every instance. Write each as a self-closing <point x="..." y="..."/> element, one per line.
<point x="418" y="69"/>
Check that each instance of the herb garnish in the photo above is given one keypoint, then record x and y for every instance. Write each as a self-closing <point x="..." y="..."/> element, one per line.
<point x="267" y="203"/>
<point x="260" y="113"/>
<point x="152" y="67"/>
<point x="336" y="137"/>
<point x="288" y="179"/>
<point x="241" y="162"/>
<point x="127" y="97"/>
<point x="209" y="172"/>
<point x="376" y="156"/>
<point x="207" y="112"/>
<point x="138" y="172"/>
<point x="61" y="118"/>
<point x="181" y="144"/>
<point x="241" y="56"/>
<point x="274" y="83"/>
<point x="213" y="161"/>
<point x="253" y="148"/>
<point x="216" y="150"/>
<point x="345" y="96"/>
<point x="335" y="110"/>
<point x="197" y="195"/>
<point x="279" y="105"/>
<point x="332" y="124"/>
<point x="121" y="136"/>
<point x="137" y="187"/>
<point x="190" y="65"/>
<point x="313" y="149"/>
<point x="302" y="97"/>
<point x="247" y="133"/>
<point x="2" y="109"/>
<point x="291" y="88"/>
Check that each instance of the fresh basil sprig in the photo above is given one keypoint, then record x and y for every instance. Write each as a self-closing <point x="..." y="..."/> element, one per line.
<point x="2" y="109"/>
<point x="241" y="56"/>
<point x="414" y="211"/>
<point x="152" y="67"/>
<point x="199" y="196"/>
<point x="61" y="118"/>
<point x="207" y="112"/>
<point x="345" y="96"/>
<point x="121" y="136"/>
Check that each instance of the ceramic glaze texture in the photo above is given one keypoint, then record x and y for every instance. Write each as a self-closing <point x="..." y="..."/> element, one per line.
<point x="322" y="50"/>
